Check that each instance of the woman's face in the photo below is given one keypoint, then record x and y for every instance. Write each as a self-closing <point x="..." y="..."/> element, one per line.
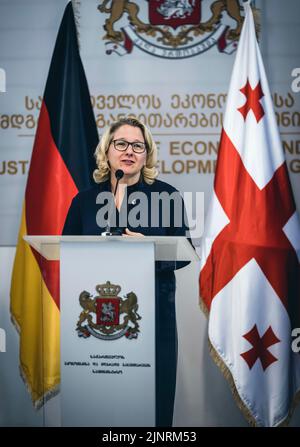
<point x="129" y="161"/>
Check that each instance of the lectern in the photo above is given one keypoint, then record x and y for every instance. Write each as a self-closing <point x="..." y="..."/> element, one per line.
<point x="107" y="324"/>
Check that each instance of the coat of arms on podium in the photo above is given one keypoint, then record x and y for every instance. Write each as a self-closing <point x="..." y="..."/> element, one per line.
<point x="108" y="316"/>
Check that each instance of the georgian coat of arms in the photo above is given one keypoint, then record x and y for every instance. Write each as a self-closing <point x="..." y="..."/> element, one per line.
<point x="108" y="316"/>
<point x="171" y="29"/>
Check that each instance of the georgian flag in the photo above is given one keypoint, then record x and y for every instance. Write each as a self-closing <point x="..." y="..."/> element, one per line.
<point x="249" y="280"/>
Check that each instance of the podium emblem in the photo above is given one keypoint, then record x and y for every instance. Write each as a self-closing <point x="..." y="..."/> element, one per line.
<point x="108" y="316"/>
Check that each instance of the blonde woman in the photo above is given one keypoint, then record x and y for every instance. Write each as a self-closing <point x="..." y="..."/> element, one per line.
<point x="126" y="172"/>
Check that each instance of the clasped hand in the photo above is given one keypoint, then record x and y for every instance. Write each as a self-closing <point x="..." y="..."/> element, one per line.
<point x="132" y="233"/>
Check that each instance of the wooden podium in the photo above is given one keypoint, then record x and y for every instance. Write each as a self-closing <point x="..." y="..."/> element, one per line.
<point x="107" y="324"/>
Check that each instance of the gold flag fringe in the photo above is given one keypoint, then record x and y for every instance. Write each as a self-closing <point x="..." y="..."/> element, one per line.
<point x="204" y="308"/>
<point x="228" y="376"/>
<point x="15" y="323"/>
<point x="37" y="403"/>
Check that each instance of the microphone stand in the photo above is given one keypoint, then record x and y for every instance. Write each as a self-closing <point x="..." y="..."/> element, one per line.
<point x="118" y="174"/>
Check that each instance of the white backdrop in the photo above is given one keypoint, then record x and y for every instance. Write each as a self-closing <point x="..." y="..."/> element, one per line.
<point x="27" y="35"/>
<point x="181" y="100"/>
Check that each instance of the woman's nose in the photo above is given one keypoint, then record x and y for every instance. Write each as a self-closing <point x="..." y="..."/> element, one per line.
<point x="129" y="150"/>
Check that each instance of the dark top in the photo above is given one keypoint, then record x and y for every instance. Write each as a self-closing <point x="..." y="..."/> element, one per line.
<point x="81" y="219"/>
<point x="152" y="220"/>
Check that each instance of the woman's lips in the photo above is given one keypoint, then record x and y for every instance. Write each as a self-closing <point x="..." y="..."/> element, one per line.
<point x="128" y="162"/>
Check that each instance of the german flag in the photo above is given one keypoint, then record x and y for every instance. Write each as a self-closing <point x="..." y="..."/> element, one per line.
<point x="61" y="164"/>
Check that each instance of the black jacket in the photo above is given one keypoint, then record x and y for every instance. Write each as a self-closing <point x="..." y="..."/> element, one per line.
<point x="81" y="219"/>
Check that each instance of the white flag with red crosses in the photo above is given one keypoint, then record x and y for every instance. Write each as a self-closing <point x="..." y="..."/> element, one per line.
<point x="250" y="275"/>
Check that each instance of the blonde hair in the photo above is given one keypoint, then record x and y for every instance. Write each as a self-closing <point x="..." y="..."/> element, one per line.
<point x="149" y="171"/>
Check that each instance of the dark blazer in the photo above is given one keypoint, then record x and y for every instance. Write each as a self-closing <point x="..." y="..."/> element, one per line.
<point x="81" y="217"/>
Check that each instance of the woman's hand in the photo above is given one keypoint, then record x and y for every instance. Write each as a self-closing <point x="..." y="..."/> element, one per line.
<point x="132" y="233"/>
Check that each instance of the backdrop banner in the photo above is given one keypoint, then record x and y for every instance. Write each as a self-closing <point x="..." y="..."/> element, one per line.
<point x="166" y="63"/>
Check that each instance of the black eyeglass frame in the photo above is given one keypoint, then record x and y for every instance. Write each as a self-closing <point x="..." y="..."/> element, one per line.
<point x="128" y="143"/>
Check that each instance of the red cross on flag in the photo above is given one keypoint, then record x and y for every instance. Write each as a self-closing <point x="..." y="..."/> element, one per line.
<point x="250" y="275"/>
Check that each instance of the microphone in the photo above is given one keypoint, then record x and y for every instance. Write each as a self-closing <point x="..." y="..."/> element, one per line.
<point x="118" y="174"/>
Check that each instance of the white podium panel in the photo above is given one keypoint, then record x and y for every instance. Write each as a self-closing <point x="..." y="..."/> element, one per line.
<point x="107" y="325"/>
<point x="107" y="334"/>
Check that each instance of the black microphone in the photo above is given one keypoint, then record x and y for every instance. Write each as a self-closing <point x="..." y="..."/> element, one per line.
<point x="118" y="174"/>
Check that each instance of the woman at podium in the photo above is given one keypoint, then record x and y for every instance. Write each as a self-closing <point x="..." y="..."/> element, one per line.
<point x="140" y="205"/>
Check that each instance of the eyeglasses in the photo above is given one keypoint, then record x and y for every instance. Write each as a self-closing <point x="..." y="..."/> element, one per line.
<point x="122" y="145"/>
